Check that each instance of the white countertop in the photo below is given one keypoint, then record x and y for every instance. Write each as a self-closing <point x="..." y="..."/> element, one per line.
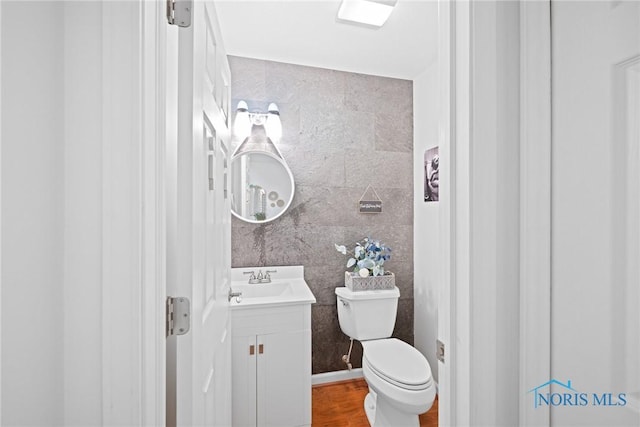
<point x="287" y="287"/>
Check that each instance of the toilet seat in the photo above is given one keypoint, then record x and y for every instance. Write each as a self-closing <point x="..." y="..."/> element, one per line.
<point x="397" y="363"/>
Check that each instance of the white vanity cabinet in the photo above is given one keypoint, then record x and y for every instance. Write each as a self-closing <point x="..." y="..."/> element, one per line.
<point x="271" y="366"/>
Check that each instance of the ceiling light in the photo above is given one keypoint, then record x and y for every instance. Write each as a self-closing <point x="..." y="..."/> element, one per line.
<point x="368" y="12"/>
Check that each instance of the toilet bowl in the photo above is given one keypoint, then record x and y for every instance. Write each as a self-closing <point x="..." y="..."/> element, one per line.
<point x="399" y="377"/>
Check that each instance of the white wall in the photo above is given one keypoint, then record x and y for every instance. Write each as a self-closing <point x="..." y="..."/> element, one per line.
<point x="52" y="213"/>
<point x="79" y="148"/>
<point x="83" y="213"/>
<point x="426" y="228"/>
<point x="32" y="213"/>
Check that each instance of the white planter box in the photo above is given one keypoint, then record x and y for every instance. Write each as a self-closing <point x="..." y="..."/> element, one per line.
<point x="354" y="282"/>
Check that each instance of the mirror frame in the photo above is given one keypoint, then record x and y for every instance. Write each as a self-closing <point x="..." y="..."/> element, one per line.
<point x="287" y="169"/>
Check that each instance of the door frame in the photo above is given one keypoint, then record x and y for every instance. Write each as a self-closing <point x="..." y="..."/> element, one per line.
<point x="134" y="212"/>
<point x="154" y="232"/>
<point x="456" y="19"/>
<point x="457" y="67"/>
<point x="123" y="215"/>
<point x="535" y="206"/>
<point x="446" y="309"/>
<point x="1" y="212"/>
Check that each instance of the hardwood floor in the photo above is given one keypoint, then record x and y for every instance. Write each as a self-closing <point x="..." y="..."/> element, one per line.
<point x="341" y="404"/>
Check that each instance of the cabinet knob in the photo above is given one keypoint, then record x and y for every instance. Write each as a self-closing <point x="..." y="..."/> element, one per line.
<point x="261" y="348"/>
<point x="252" y="350"/>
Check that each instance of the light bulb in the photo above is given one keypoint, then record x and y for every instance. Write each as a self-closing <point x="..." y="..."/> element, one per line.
<point x="273" y="125"/>
<point x="242" y="122"/>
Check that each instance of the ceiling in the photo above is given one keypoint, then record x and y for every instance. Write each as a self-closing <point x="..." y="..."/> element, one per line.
<point x="306" y="32"/>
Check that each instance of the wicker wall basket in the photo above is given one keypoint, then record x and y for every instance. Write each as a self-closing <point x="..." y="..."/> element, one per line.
<point x="354" y="282"/>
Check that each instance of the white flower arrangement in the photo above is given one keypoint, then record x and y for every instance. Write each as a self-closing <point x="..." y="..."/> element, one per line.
<point x="368" y="258"/>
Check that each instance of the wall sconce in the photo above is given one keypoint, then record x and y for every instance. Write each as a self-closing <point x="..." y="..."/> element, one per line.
<point x="245" y="120"/>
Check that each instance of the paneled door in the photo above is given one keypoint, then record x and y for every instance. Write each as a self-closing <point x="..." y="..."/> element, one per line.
<point x="199" y="238"/>
<point x="595" y="273"/>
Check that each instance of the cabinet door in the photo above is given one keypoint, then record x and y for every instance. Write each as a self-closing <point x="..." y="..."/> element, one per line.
<point x="244" y="381"/>
<point x="284" y="379"/>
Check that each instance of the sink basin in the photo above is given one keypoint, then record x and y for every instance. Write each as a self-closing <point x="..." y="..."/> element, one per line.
<point x="287" y="287"/>
<point x="263" y="290"/>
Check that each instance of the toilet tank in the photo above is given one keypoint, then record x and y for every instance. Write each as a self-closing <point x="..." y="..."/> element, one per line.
<point x="367" y="315"/>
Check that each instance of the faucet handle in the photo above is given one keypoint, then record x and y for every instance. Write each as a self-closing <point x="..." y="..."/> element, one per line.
<point x="267" y="276"/>
<point x="252" y="273"/>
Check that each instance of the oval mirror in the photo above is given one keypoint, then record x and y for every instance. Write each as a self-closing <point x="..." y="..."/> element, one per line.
<point x="262" y="186"/>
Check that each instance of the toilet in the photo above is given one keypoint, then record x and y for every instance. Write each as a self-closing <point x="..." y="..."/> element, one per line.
<point x="399" y="377"/>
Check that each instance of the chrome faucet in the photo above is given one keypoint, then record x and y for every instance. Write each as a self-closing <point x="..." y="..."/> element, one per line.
<point x="253" y="279"/>
<point x="260" y="278"/>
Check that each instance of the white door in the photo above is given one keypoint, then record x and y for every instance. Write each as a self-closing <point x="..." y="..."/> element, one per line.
<point x="595" y="275"/>
<point x="199" y="242"/>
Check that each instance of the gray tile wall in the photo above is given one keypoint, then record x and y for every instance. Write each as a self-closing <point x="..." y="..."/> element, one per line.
<point x="341" y="132"/>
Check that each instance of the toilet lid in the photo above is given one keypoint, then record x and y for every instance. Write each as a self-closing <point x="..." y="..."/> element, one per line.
<point x="397" y="362"/>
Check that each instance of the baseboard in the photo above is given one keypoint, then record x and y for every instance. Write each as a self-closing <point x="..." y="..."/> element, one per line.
<point x="345" y="375"/>
<point x="332" y="377"/>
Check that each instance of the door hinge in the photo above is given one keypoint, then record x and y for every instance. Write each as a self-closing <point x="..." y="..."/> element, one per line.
<point x="440" y="350"/>
<point x="178" y="316"/>
<point x="179" y="12"/>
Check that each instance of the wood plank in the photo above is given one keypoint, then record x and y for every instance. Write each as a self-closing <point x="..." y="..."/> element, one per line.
<point x="342" y="404"/>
